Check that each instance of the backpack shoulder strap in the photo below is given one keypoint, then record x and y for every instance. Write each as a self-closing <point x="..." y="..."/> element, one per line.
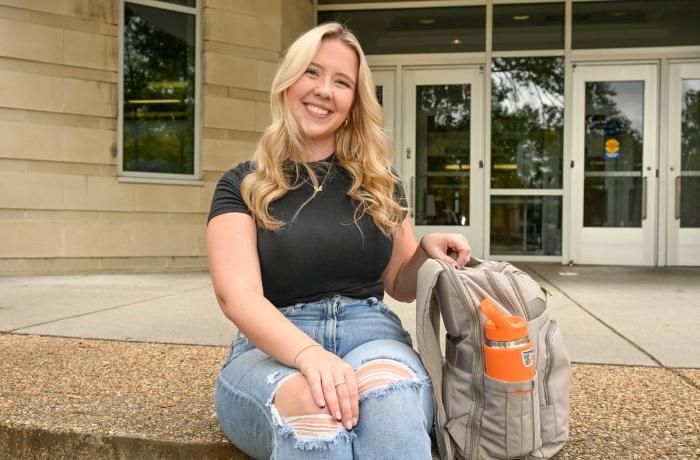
<point x="427" y="331"/>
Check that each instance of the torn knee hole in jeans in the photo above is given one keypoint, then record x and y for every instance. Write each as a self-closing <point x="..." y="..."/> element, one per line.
<point x="310" y="431"/>
<point x="377" y="377"/>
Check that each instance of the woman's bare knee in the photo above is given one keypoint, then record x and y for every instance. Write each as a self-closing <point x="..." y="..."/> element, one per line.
<point x="296" y="406"/>
<point x="294" y="398"/>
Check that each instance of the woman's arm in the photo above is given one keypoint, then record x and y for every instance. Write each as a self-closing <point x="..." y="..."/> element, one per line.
<point x="401" y="273"/>
<point x="235" y="272"/>
<point x="406" y="258"/>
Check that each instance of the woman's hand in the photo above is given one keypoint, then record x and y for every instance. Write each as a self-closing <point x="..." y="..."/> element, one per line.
<point x="439" y="245"/>
<point x="333" y="382"/>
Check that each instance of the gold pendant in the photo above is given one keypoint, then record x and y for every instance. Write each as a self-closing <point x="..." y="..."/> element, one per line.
<point x="319" y="188"/>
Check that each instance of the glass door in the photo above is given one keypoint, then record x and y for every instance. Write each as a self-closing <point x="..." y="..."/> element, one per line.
<point x="442" y="151"/>
<point x="384" y="89"/>
<point x="614" y="164"/>
<point x="684" y="165"/>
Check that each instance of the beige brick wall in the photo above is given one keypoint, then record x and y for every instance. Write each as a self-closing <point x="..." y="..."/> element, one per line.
<point x="62" y="208"/>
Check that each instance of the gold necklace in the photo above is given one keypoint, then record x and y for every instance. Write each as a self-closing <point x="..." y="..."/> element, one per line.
<point x="319" y="188"/>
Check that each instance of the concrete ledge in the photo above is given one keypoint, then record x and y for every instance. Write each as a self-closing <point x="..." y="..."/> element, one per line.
<point x="31" y="442"/>
<point x="78" y="398"/>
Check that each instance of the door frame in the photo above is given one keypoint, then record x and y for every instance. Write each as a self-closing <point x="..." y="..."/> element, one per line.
<point x="386" y="77"/>
<point x="675" y="235"/>
<point x="646" y="235"/>
<point x="459" y="74"/>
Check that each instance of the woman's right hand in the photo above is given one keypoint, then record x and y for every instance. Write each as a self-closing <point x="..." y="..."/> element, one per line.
<point x="324" y="372"/>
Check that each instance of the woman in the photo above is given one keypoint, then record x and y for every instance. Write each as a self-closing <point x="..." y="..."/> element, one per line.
<point x="302" y="243"/>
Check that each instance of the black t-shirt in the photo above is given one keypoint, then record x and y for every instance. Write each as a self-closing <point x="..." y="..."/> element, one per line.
<point x="322" y="252"/>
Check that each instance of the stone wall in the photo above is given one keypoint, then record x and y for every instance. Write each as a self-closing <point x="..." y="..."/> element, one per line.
<point x="62" y="207"/>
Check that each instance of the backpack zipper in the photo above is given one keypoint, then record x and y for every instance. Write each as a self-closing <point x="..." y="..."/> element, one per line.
<point x="518" y="293"/>
<point x="478" y="355"/>
<point x="511" y="308"/>
<point x="550" y="359"/>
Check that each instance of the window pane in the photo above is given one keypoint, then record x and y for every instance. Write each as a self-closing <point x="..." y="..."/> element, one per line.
<point x="415" y="30"/>
<point x="526" y="225"/>
<point x="690" y="154"/>
<point x="690" y="126"/>
<point x="443" y="120"/>
<point x="527" y="122"/>
<point x="379" y="92"/>
<point x="159" y="106"/>
<point x="612" y="201"/>
<point x="335" y="2"/>
<point x="614" y="122"/>
<point x="635" y="23"/>
<point x="690" y="193"/>
<point x="182" y="2"/>
<point x="528" y="26"/>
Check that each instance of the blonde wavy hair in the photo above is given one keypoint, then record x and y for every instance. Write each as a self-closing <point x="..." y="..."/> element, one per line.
<point x="362" y="147"/>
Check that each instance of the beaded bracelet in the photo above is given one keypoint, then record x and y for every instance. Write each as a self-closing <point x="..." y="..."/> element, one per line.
<point x="294" y="361"/>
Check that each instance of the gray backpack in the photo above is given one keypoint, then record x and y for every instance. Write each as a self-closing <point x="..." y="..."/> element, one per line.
<point x="478" y="417"/>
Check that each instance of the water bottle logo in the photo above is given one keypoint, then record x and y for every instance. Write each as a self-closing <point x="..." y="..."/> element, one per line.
<point x="527" y="357"/>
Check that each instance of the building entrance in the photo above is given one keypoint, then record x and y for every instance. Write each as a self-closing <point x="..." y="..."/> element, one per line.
<point x="614" y="170"/>
<point x="633" y="168"/>
<point x="442" y="151"/>
<point x="682" y="209"/>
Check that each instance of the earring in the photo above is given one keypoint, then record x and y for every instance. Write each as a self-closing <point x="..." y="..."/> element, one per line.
<point x="346" y="122"/>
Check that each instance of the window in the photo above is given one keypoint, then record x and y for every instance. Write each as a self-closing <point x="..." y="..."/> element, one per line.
<point x="528" y="26"/>
<point x="690" y="153"/>
<point x="415" y="30"/>
<point x="527" y="128"/>
<point x="527" y="122"/>
<point x="159" y="89"/>
<point x="625" y="24"/>
<point x="526" y="225"/>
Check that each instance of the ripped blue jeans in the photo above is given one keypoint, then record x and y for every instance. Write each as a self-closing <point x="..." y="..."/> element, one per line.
<point x="395" y="418"/>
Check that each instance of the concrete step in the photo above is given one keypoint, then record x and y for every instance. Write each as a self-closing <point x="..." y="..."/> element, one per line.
<point x="94" y="399"/>
<point x="21" y="442"/>
<point x="76" y="398"/>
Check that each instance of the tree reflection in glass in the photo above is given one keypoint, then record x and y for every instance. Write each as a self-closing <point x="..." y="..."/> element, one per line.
<point x="526" y="225"/>
<point x="527" y="122"/>
<point x="614" y="126"/>
<point x="159" y="69"/>
<point x="690" y="154"/>
<point x="442" y="154"/>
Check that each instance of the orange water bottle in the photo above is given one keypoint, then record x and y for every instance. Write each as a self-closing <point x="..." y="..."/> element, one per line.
<point x="508" y="353"/>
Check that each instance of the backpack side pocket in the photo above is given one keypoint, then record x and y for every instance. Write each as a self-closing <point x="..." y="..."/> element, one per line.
<point x="459" y="403"/>
<point x="510" y="424"/>
<point x="553" y="366"/>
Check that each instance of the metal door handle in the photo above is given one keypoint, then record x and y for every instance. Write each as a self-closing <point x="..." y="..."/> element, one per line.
<point x="678" y="197"/>
<point x="412" y="196"/>
<point x="644" y="198"/>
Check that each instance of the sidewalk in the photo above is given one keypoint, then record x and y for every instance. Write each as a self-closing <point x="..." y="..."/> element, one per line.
<point x="633" y="333"/>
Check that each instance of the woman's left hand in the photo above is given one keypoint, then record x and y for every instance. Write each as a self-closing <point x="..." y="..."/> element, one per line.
<point x="438" y="245"/>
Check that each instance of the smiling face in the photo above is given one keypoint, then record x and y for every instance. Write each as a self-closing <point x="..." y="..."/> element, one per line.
<point x="322" y="98"/>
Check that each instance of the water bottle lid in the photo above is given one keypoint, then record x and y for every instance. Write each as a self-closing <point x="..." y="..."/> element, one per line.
<point x="501" y="327"/>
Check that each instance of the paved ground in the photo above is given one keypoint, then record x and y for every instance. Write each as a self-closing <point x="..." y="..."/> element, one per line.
<point x="609" y="315"/>
<point x="632" y="331"/>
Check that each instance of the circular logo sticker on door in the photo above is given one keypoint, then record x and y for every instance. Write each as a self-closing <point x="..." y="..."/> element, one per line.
<point x="612" y="148"/>
<point x="611" y="141"/>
